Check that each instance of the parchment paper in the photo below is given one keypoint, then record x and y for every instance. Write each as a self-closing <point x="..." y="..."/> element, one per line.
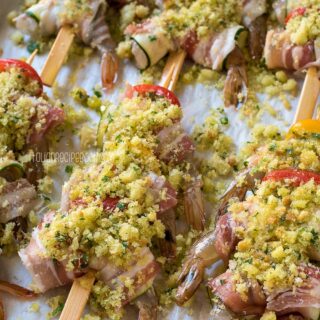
<point x="197" y="101"/>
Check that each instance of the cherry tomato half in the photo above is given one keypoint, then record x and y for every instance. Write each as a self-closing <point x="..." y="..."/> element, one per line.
<point x="158" y="91"/>
<point x="295" y="13"/>
<point x="309" y="126"/>
<point x="298" y="177"/>
<point x="25" y="68"/>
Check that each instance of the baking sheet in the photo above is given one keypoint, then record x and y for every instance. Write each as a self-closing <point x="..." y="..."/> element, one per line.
<point x="197" y="101"/>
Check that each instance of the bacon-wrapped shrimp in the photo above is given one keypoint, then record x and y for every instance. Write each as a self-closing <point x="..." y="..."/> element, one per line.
<point x="25" y="120"/>
<point x="212" y="51"/>
<point x="222" y="242"/>
<point x="217" y="49"/>
<point x="296" y="46"/>
<point x="115" y="205"/>
<point x="255" y="299"/>
<point x="46" y="17"/>
<point x="27" y="116"/>
<point x="211" y="247"/>
<point x="294" y="290"/>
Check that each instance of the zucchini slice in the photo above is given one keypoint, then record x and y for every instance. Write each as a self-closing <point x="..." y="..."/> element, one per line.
<point x="224" y="44"/>
<point x="141" y="56"/>
<point x="149" y="48"/>
<point x="241" y="38"/>
<point x="33" y="16"/>
<point x="11" y="170"/>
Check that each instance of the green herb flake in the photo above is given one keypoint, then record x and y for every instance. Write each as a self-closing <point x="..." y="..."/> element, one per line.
<point x="224" y="120"/>
<point x="69" y="169"/>
<point x="152" y="38"/>
<point x="57" y="310"/>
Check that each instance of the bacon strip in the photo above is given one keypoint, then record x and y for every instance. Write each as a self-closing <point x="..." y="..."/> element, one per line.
<point x="194" y="204"/>
<point x="224" y="287"/>
<point x="174" y="144"/>
<point x="226" y="239"/>
<point x="46" y="273"/>
<point x="53" y="117"/>
<point x="210" y="51"/>
<point x="164" y="194"/>
<point x="17" y="199"/>
<point x="304" y="300"/>
<point x="142" y="272"/>
<point x="279" y="52"/>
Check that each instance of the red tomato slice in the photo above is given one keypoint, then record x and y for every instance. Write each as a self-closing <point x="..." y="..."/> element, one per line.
<point x="158" y="91"/>
<point x="295" y="13"/>
<point x="25" y="68"/>
<point x="297" y="176"/>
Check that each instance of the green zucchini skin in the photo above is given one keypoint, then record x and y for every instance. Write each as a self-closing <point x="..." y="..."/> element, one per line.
<point x="147" y="65"/>
<point x="236" y="37"/>
<point x="152" y="47"/>
<point x="33" y="16"/>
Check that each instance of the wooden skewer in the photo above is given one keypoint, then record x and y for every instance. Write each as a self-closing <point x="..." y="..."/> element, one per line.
<point x="79" y="294"/>
<point x="57" y="56"/>
<point x="31" y="58"/>
<point x="78" y="297"/>
<point x="309" y="96"/>
<point x="172" y="69"/>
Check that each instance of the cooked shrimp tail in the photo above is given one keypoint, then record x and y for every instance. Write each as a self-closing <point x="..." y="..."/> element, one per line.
<point x="235" y="88"/>
<point x="201" y="255"/>
<point x="189" y="279"/>
<point x="233" y="191"/>
<point x="16" y="290"/>
<point x="148" y="305"/>
<point x="109" y="69"/>
<point x="194" y="206"/>
<point x="236" y="190"/>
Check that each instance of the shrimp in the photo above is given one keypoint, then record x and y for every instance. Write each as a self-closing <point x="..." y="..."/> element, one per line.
<point x="224" y="288"/>
<point x="194" y="206"/>
<point x="216" y="244"/>
<point x="91" y="28"/>
<point x="235" y="87"/>
<point x="14" y="290"/>
<point x="109" y="69"/>
<point x="239" y="190"/>
<point x="201" y="255"/>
